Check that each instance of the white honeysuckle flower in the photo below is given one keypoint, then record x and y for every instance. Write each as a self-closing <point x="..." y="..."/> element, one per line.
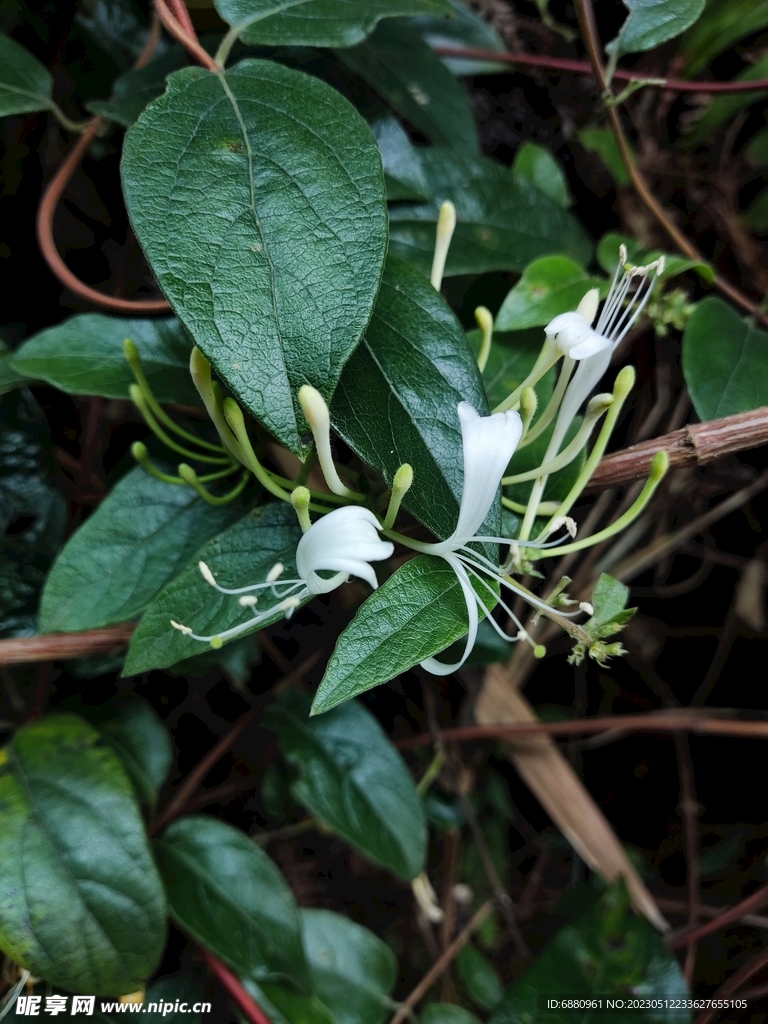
<point x="488" y="443"/>
<point x="343" y="542"/>
<point x="574" y="335"/>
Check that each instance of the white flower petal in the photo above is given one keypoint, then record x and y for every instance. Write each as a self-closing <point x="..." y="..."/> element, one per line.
<point x="439" y="668"/>
<point x="574" y="337"/>
<point x="344" y="541"/>
<point x="489" y="443"/>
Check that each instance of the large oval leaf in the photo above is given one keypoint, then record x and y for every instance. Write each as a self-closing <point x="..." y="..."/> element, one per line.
<point x="84" y="356"/>
<point x="653" y="22"/>
<point x="81" y="903"/>
<point x="138" y="736"/>
<point x="26" y="85"/>
<point x="417" y="613"/>
<point x="354" y="780"/>
<point x="317" y="22"/>
<point x="239" y="556"/>
<point x="229" y="895"/>
<point x="607" y="951"/>
<point x="400" y="390"/>
<point x="140" y="537"/>
<point x="725" y="361"/>
<point x="258" y="196"/>
<point x="352" y="970"/>
<point x="409" y="75"/>
<point x="503" y="223"/>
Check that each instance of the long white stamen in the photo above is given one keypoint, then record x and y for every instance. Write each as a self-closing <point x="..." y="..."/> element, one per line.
<point x="275" y="572"/>
<point x="186" y="630"/>
<point x="206" y="573"/>
<point x="247" y="601"/>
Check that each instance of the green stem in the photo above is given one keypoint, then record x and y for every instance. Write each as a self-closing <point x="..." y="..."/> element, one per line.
<point x="566" y="456"/>
<point x="621" y="389"/>
<point x="71" y="126"/>
<point x="225" y="46"/>
<point x="432" y="772"/>
<point x="137" y="395"/>
<point x="189" y="476"/>
<point x="552" y="406"/>
<point x="140" y="453"/>
<point x="133" y="356"/>
<point x="235" y="419"/>
<point x="547" y="359"/>
<point x="659" y="467"/>
<point x="200" y="370"/>
<point x="546" y="508"/>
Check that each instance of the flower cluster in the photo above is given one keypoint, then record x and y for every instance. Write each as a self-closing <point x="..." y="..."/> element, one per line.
<point x="345" y="541"/>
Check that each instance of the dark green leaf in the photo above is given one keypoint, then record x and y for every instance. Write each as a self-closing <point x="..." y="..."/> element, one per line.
<point x="400" y="391"/>
<point x="141" y="741"/>
<point x="9" y="378"/>
<point x="721" y="25"/>
<point x="417" y="613"/>
<point x="133" y="91"/>
<point x="464" y="30"/>
<point x="479" y="977"/>
<point x="510" y="361"/>
<point x="402" y="163"/>
<point x="602" y="142"/>
<point x="502" y="224"/>
<point x="352" y="971"/>
<point x="447" y="1013"/>
<point x="284" y="1005"/>
<point x="725" y="361"/>
<point x="354" y="780"/>
<point x="409" y="75"/>
<point x="33" y="514"/>
<point x="610" y="950"/>
<point x="26" y="85"/>
<point x="725" y="108"/>
<point x="537" y="165"/>
<point x="258" y="197"/>
<point x="653" y="22"/>
<point x="81" y="903"/>
<point x="549" y="286"/>
<point x="84" y="356"/>
<point x="317" y="22"/>
<point x="241" y="555"/>
<point x="608" y="258"/>
<point x="119" y="27"/>
<point x="228" y="894"/>
<point x="137" y="540"/>
<point x="176" y="989"/>
<point x="756" y="150"/>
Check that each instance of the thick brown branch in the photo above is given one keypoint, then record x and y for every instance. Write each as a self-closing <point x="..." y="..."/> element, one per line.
<point x="696" y="444"/>
<point x="52" y="647"/>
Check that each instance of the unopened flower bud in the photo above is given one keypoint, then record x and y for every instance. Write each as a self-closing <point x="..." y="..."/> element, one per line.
<point x="588" y="305"/>
<point x="206" y="573"/>
<point x="300" y="498"/>
<point x="624" y="383"/>
<point x="446" y="224"/>
<point x="528" y="404"/>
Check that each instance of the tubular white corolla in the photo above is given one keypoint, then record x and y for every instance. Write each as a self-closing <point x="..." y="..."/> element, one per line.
<point x="343" y="542"/>
<point x="573" y="335"/>
<point x="488" y="444"/>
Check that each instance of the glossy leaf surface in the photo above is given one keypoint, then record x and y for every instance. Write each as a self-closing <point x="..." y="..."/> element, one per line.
<point x="231" y="897"/>
<point x="258" y="197"/>
<point x="26" y="85"/>
<point x="400" y="391"/>
<point x="317" y="22"/>
<point x="502" y="224"/>
<point x="549" y="286"/>
<point x="353" y="779"/>
<point x="725" y="361"/>
<point x="139" y="538"/>
<point x="84" y="356"/>
<point x="81" y="902"/>
<point x="239" y="556"/>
